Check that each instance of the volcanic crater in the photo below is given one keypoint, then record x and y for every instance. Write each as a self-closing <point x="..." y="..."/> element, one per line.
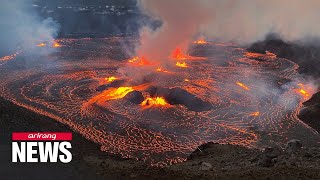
<point x="224" y="95"/>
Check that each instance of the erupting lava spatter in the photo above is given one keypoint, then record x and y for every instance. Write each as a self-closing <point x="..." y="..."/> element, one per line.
<point x="200" y="41"/>
<point x="111" y="79"/>
<point x="213" y="106"/>
<point x="139" y="61"/>
<point x="152" y="102"/>
<point x="177" y="54"/>
<point x="183" y="65"/>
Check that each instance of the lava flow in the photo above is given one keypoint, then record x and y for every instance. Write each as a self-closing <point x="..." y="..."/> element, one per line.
<point x="162" y="117"/>
<point x="243" y="86"/>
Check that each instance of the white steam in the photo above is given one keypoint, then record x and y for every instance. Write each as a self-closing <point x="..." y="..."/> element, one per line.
<point x="244" y="22"/>
<point x="21" y="26"/>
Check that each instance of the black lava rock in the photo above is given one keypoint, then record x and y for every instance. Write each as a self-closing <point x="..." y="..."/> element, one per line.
<point x="180" y="96"/>
<point x="134" y="97"/>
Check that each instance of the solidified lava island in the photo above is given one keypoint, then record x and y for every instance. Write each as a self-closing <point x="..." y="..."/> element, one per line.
<point x="216" y="93"/>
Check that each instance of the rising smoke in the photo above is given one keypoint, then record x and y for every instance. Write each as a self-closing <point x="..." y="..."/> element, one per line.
<point x="243" y="22"/>
<point x="21" y="27"/>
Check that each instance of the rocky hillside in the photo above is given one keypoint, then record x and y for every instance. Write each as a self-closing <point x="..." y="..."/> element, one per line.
<point x="311" y="113"/>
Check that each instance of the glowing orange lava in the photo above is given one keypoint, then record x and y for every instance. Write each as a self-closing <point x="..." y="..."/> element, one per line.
<point x="200" y="41"/>
<point x="139" y="61"/>
<point x="258" y="55"/>
<point x="118" y="93"/>
<point x="186" y="80"/>
<point x="303" y="90"/>
<point x="161" y="70"/>
<point x="41" y="45"/>
<point x="177" y="54"/>
<point x="255" y="113"/>
<point x="111" y="79"/>
<point x="56" y="45"/>
<point x="7" y="58"/>
<point x="243" y="86"/>
<point x="151" y="102"/>
<point x="113" y="94"/>
<point x="183" y="65"/>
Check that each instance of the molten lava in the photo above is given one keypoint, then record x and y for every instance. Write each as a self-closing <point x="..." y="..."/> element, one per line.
<point x="56" y="45"/>
<point x="139" y="61"/>
<point x="7" y="58"/>
<point x="303" y="90"/>
<point x="183" y="65"/>
<point x="111" y="79"/>
<point x="178" y="55"/>
<point x="165" y="133"/>
<point x="243" y="86"/>
<point x="152" y="102"/>
<point x="255" y="113"/>
<point x="258" y="55"/>
<point x="114" y="93"/>
<point x="200" y="41"/>
<point x="118" y="93"/>
<point x="41" y="45"/>
<point x="162" y="70"/>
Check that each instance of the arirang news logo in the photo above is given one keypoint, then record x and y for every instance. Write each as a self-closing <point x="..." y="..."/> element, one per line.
<point x="41" y="147"/>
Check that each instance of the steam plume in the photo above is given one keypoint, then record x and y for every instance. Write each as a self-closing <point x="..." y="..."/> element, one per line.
<point x="243" y="22"/>
<point x="21" y="26"/>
